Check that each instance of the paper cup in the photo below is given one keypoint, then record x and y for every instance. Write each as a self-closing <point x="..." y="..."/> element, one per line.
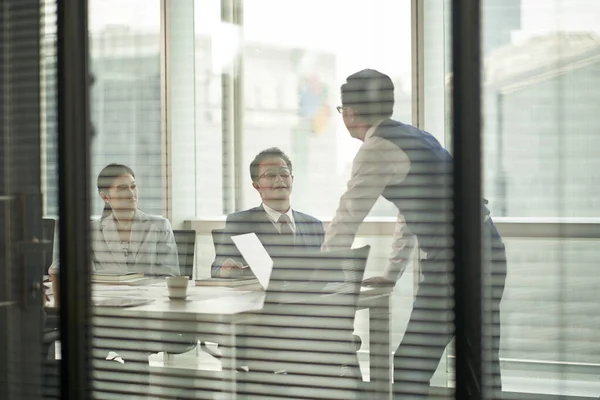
<point x="177" y="286"/>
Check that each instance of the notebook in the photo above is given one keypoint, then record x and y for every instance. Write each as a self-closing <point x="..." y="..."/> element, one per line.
<point x="120" y="301"/>
<point x="226" y="282"/>
<point x="103" y="276"/>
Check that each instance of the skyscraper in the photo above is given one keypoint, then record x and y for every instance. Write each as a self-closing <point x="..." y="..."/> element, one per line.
<point x="499" y="19"/>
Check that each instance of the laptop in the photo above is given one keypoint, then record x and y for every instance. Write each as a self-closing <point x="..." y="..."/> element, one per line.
<point x="300" y="270"/>
<point x="256" y="256"/>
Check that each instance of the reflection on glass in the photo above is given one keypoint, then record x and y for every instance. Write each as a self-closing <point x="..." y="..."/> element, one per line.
<point x="540" y="165"/>
<point x="292" y="70"/>
<point x="126" y="95"/>
<point x="539" y="97"/>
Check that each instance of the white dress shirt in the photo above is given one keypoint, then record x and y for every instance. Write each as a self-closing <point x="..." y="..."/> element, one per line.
<point x="274" y="217"/>
<point x="377" y="164"/>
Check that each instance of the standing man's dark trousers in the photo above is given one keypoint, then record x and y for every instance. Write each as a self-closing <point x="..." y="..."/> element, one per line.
<point x="430" y="328"/>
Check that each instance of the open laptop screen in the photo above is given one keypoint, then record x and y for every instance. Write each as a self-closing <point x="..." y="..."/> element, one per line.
<point x="256" y="256"/>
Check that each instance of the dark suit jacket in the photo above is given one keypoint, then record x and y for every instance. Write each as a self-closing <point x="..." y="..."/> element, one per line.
<point x="309" y="236"/>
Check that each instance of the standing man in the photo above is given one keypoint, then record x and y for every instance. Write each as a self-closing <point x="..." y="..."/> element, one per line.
<point x="409" y="168"/>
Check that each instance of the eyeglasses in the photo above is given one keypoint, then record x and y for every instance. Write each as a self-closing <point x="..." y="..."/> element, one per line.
<point x="341" y="109"/>
<point x="283" y="173"/>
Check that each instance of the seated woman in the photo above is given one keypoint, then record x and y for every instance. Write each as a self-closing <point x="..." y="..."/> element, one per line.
<point x="126" y="239"/>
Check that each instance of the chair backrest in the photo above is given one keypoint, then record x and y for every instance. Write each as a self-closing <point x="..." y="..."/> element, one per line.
<point x="217" y="237"/>
<point x="48" y="230"/>
<point x="314" y="273"/>
<point x="309" y="329"/>
<point x="186" y="247"/>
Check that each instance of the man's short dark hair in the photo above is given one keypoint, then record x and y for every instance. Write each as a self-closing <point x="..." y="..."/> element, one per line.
<point x="267" y="154"/>
<point x="370" y="94"/>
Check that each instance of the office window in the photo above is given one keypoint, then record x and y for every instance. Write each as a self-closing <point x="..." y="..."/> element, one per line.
<point x="126" y="96"/>
<point x="49" y="132"/>
<point x="293" y="66"/>
<point x="538" y="117"/>
<point x="159" y="94"/>
<point x="539" y="161"/>
<point x="211" y="50"/>
<point x="125" y="109"/>
<point x="310" y="48"/>
<point x="539" y="166"/>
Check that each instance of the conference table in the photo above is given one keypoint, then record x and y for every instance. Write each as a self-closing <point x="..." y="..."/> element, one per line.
<point x="219" y="311"/>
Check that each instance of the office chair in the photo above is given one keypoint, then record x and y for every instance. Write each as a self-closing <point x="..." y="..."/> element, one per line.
<point x="305" y="335"/>
<point x="218" y="238"/>
<point x="186" y="246"/>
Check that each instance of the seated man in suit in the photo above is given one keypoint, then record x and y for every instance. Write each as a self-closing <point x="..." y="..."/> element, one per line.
<point x="277" y="225"/>
<point x="282" y="230"/>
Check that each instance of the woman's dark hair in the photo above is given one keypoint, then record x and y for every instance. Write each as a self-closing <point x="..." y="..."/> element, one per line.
<point x="267" y="154"/>
<point x="107" y="177"/>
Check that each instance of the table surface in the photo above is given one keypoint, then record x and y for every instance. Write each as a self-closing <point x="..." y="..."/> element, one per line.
<point x="215" y="310"/>
<point x="200" y="299"/>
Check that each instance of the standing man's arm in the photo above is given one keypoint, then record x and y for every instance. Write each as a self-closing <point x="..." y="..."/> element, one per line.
<point x="321" y="234"/>
<point x="377" y="164"/>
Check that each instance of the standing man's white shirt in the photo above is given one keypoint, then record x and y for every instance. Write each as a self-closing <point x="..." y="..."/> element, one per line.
<point x="377" y="164"/>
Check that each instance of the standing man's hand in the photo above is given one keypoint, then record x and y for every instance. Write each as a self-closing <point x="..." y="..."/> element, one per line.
<point x="231" y="268"/>
<point x="378" y="281"/>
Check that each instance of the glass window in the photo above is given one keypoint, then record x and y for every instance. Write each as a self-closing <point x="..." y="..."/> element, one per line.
<point x="295" y="57"/>
<point x="539" y="164"/>
<point x="126" y="96"/>
<point x="540" y="158"/>
<point x="125" y="107"/>
<point x="49" y="108"/>
<point x="211" y="46"/>
<point x="541" y="59"/>
<point x="309" y="49"/>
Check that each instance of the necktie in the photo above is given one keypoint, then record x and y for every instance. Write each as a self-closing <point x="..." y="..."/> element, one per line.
<point x="284" y="225"/>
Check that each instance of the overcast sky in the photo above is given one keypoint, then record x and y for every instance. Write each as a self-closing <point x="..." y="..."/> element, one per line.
<point x="318" y="14"/>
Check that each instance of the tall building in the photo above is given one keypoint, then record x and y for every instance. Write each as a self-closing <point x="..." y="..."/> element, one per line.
<point x="499" y="19"/>
<point x="540" y="126"/>
<point x="126" y="110"/>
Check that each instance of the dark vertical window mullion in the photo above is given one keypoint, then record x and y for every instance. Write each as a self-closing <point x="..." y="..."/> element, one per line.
<point x="467" y="197"/>
<point x="73" y="170"/>
<point x="238" y="109"/>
